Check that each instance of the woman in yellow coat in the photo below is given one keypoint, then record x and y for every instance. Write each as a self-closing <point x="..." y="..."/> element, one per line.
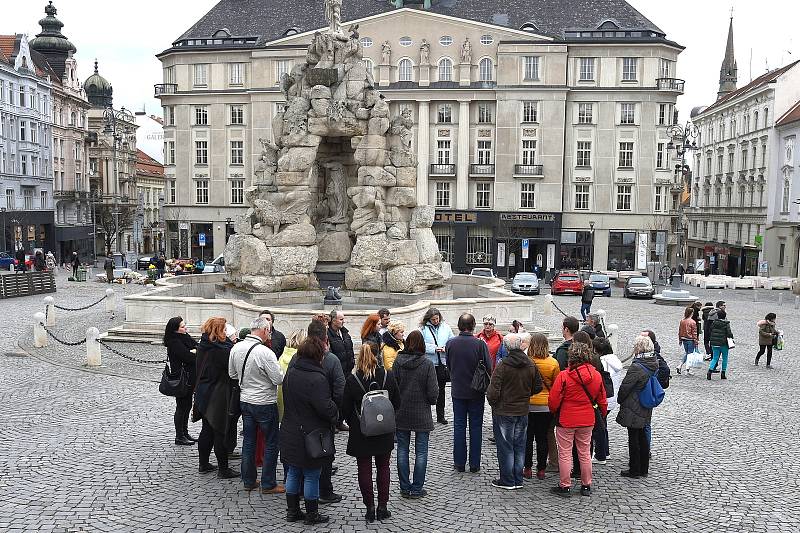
<point x="392" y="343"/>
<point x="539" y="417"/>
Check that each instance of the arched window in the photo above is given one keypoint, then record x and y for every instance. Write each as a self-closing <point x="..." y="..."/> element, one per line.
<point x="755" y="119"/>
<point x="369" y="65"/>
<point x="486" y="69"/>
<point x="445" y="69"/>
<point x="72" y="119"/>
<point x="766" y="117"/>
<point x="405" y="70"/>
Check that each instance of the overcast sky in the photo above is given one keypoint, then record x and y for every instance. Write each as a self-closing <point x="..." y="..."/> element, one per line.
<point x="125" y="36"/>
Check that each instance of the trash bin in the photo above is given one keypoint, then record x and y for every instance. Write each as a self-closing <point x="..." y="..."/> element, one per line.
<point x="81" y="274"/>
<point x="152" y="273"/>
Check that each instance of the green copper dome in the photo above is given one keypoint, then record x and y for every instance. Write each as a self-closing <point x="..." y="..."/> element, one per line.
<point x="51" y="39"/>
<point x="98" y="91"/>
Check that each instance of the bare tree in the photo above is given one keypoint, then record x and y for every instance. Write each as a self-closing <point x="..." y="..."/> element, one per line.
<point x="111" y="225"/>
<point x="179" y="215"/>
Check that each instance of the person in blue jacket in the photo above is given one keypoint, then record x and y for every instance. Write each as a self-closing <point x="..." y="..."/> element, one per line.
<point x="436" y="333"/>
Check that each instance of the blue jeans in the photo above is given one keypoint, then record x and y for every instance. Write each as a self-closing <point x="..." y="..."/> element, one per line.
<point x="717" y="351"/>
<point x="266" y="418"/>
<point x="310" y="477"/>
<point x="585" y="310"/>
<point x="461" y="410"/>
<point x="420" y="460"/>
<point x="648" y="432"/>
<point x="509" y="435"/>
<point x="688" y="347"/>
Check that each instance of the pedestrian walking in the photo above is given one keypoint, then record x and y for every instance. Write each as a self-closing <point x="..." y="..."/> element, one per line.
<point x="416" y="380"/>
<point x="767" y="337"/>
<point x="540" y="419"/>
<point x="632" y="414"/>
<point x="182" y="355"/>
<point x="310" y="410"/>
<point x="704" y="330"/>
<point x="464" y="354"/>
<point x="256" y="369"/>
<point x="108" y="266"/>
<point x="392" y="343"/>
<point x="687" y="338"/>
<point x="212" y="397"/>
<point x="367" y="377"/>
<point x="160" y="266"/>
<point x="576" y="394"/>
<point x="436" y="333"/>
<point x="515" y="380"/>
<point x="712" y="316"/>
<point x="75" y="262"/>
<point x="341" y="345"/>
<point x="586" y="298"/>
<point x="493" y="340"/>
<point x="721" y="341"/>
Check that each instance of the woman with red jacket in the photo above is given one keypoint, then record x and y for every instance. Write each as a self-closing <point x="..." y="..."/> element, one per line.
<point x="575" y="392"/>
<point x="493" y="339"/>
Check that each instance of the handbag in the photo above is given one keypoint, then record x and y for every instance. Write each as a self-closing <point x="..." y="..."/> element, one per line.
<point x="694" y="359"/>
<point x="731" y="343"/>
<point x="318" y="443"/>
<point x="442" y="372"/>
<point x="599" y="421"/>
<point x="234" y="409"/>
<point x="178" y="387"/>
<point x="608" y="383"/>
<point x="480" y="378"/>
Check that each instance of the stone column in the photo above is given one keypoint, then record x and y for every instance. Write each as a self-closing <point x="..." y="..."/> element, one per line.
<point x="464" y="151"/>
<point x="423" y="152"/>
<point x="384" y="71"/>
<point x="93" y="356"/>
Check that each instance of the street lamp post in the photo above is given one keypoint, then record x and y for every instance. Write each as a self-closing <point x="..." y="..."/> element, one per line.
<point x="116" y="126"/>
<point x="683" y="139"/>
<point x="591" y="246"/>
<point x="3" y="212"/>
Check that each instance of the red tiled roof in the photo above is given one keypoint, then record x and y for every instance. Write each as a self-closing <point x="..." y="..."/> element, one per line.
<point x="756" y="83"/>
<point x="7" y="45"/>
<point x="792" y="115"/>
<point x="148" y="166"/>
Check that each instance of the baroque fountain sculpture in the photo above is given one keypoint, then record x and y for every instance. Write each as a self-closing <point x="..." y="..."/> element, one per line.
<point x="336" y="187"/>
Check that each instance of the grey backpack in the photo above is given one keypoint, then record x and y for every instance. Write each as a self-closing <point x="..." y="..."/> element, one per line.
<point x="377" y="412"/>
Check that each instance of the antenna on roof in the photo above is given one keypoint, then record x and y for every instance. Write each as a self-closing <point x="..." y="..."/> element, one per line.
<point x="751" y="63"/>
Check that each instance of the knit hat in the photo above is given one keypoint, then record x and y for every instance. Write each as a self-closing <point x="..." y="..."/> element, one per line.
<point x="491" y="319"/>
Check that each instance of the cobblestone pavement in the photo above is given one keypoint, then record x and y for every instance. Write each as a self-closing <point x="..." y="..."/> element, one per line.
<point x="89" y="451"/>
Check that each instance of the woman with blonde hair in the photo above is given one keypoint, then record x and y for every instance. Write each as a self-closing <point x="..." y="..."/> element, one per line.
<point x="211" y="396"/>
<point x="368" y="376"/>
<point x="295" y="340"/>
<point x="392" y="343"/>
<point x="539" y="417"/>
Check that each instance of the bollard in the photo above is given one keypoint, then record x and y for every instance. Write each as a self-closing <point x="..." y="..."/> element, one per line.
<point x="797" y="302"/>
<point x="548" y="305"/>
<point x="93" y="357"/>
<point x="613" y="337"/>
<point x="755" y="296"/>
<point x="39" y="334"/>
<point x="111" y="300"/>
<point x="780" y="299"/>
<point x="51" y="310"/>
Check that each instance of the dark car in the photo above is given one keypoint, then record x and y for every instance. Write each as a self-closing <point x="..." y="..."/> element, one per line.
<point x="143" y="263"/>
<point x="639" y="287"/>
<point x="567" y="282"/>
<point x="6" y="260"/>
<point x="600" y="283"/>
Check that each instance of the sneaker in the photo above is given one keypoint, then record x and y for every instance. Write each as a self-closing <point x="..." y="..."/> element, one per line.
<point x="442" y="421"/>
<point x="459" y="468"/>
<point x="527" y="473"/>
<point x="474" y="469"/>
<point x="417" y="495"/>
<point x="405" y="494"/>
<point x="330" y="498"/>
<point x="519" y="487"/>
<point x="586" y="490"/>
<point x="564" y="492"/>
<point x="540" y="474"/>
<point x="596" y="461"/>
<point x="497" y="484"/>
<point x="227" y="473"/>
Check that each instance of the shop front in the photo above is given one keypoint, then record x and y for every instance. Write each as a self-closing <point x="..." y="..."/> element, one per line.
<point x="31" y="230"/>
<point x="202" y="238"/>
<point x="74" y="239"/>
<point x="621" y="250"/>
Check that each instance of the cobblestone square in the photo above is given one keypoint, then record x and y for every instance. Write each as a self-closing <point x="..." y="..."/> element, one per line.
<point x="89" y="451"/>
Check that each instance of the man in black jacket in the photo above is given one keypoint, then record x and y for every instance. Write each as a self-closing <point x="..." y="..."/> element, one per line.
<point x="464" y="353"/>
<point x="569" y="327"/>
<point x="278" y="342"/>
<point x="586" y="298"/>
<point x="342" y="347"/>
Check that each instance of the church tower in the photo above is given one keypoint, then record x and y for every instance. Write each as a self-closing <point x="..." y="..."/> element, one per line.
<point x="728" y="72"/>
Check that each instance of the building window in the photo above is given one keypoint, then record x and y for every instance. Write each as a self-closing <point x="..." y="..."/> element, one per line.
<point x="725" y="232"/>
<point x="781" y="253"/>
<point x="282" y="66"/>
<point x="627" y="113"/>
<point x="169" y="115"/>
<point x="171" y="191"/>
<point x="445" y="236"/>
<point x="24" y="165"/>
<point x="479" y="245"/>
<point x="786" y="196"/>
<point x="486" y="70"/>
<point x="484" y="155"/>
<point x="621" y="250"/>
<point x="237" y="152"/>
<point x="744" y="159"/>
<point x="624" y="193"/>
<point x="406" y="41"/>
<point x="169" y="152"/>
<point x="528" y="151"/>
<point x="169" y="75"/>
<point x="237" y="115"/>
<point x="27" y="198"/>
<point x="730" y="162"/>
<point x="629" y="69"/>
<point x="446" y="69"/>
<point x="581" y="197"/>
<point x="585" y="113"/>
<point x="43" y="200"/>
<point x="485" y="113"/>
<point x="660" y="199"/>
<point x="530" y="111"/>
<point x="483" y="195"/>
<point x="665" y="68"/>
<point x="236" y="74"/>
<point x="530" y="66"/>
<point x="369" y="65"/>
<point x="201" y="191"/>
<point x="626" y="155"/>
<point x="763" y="155"/>
<point x="443" y="152"/>
<point x="445" y="40"/>
<point x="584" y="154"/>
<point x="444" y="114"/>
<point x="586" y="69"/>
<point x="486" y="39"/>
<point x="237" y="192"/>
<point x="719" y="163"/>
<point x="201" y="152"/>
<point x="729" y="196"/>
<point x="23" y="131"/>
<point x="661" y="156"/>
<point x="200" y="75"/>
<point x="527" y="195"/>
<point x="442" y="193"/>
<point x="405" y="70"/>
<point x="201" y="115"/>
<point x="10" y="200"/>
<point x="366" y="42"/>
<point x="663" y="114"/>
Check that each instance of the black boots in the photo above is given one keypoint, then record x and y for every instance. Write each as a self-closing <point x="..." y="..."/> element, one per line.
<point x="369" y="516"/>
<point x="383" y="513"/>
<point x="186" y="433"/>
<point x="722" y="375"/>
<point x="708" y="375"/>
<point x="293" y="512"/>
<point x="312" y="514"/>
<point x="181" y="440"/>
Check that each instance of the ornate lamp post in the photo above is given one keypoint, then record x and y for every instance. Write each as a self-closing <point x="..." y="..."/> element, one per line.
<point x="683" y="140"/>
<point x="116" y="125"/>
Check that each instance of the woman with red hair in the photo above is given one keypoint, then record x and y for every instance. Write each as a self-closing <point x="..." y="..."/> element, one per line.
<point x="370" y="333"/>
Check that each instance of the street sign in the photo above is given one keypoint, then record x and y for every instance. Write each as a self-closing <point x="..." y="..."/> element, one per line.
<point x="201" y="239"/>
<point x="525" y="248"/>
<point x="551" y="256"/>
<point x="699" y="265"/>
<point x="763" y="268"/>
<point x="501" y="254"/>
<point x="641" y="255"/>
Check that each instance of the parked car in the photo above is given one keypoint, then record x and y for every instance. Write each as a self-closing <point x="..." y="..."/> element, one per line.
<point x="600" y="283"/>
<point x="484" y="272"/>
<point x="639" y="287"/>
<point x="216" y="266"/>
<point x="6" y="260"/>
<point x="143" y="263"/>
<point x="525" y="283"/>
<point x="567" y="282"/>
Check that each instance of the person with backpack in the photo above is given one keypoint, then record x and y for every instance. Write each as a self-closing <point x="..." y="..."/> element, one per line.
<point x="539" y="417"/>
<point x="767" y="337"/>
<point x="721" y="337"/>
<point x="371" y="397"/>
<point x="636" y="407"/>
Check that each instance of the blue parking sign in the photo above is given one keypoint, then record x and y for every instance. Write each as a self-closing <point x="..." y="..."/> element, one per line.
<point x="201" y="239"/>
<point x="524" y="248"/>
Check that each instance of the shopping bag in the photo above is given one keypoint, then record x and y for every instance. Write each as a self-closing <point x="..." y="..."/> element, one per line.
<point x="694" y="359"/>
<point x="779" y="341"/>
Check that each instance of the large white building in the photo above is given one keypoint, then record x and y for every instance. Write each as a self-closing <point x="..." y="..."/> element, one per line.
<point x="532" y="121"/>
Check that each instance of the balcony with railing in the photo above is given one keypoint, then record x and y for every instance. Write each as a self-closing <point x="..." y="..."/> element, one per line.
<point x="670" y="84"/>
<point x="442" y="169"/>
<point x="164" y="88"/>
<point x="528" y="170"/>
<point x="477" y="169"/>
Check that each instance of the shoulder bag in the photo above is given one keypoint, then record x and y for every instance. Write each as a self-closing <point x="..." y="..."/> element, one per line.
<point x="480" y="379"/>
<point x="178" y="387"/>
<point x="599" y="421"/>
<point x="234" y="409"/>
<point x="442" y="372"/>
<point x="318" y="442"/>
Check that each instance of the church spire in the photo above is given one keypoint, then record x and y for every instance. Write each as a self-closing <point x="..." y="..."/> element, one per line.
<point x="728" y="72"/>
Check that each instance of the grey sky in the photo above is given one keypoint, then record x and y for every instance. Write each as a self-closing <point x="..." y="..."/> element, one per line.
<point x="125" y="36"/>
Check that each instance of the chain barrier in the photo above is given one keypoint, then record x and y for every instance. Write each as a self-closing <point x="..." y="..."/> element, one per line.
<point x="128" y="357"/>
<point x="61" y="341"/>
<point x="559" y="309"/>
<point x="79" y="308"/>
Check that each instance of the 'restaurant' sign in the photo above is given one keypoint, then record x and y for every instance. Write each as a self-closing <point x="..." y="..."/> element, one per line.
<point x="536" y="217"/>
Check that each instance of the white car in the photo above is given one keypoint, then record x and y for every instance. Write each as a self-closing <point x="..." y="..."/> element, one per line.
<point x="483" y="272"/>
<point x="525" y="283"/>
<point x="216" y="266"/>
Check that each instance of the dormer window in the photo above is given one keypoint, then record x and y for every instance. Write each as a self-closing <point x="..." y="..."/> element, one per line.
<point x="221" y="33"/>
